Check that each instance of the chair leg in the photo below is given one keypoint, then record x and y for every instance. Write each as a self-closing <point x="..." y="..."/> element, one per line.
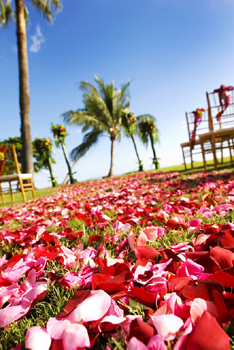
<point x="214" y="152"/>
<point x="184" y="159"/>
<point x="203" y="156"/>
<point x="33" y="192"/>
<point x="230" y="151"/>
<point x="222" y="152"/>
<point x="12" y="195"/>
<point x="191" y="157"/>
<point x="18" y="186"/>
<point x="22" y="189"/>
<point x="2" y="193"/>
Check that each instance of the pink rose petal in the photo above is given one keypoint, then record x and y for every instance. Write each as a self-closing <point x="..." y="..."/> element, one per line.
<point x="91" y="309"/>
<point x="56" y="327"/>
<point x="199" y="305"/>
<point x="11" y="313"/>
<point x="136" y="344"/>
<point x="37" y="338"/>
<point x="156" y="343"/>
<point x="75" y="336"/>
<point x="167" y="325"/>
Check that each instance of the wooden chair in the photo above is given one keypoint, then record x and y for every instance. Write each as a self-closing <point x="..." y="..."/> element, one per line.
<point x="221" y="134"/>
<point x="11" y="173"/>
<point x="192" y="148"/>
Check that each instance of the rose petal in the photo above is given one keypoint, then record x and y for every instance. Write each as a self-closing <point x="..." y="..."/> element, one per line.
<point x="75" y="336"/>
<point x="156" y="343"/>
<point x="136" y="344"/>
<point x="37" y="338"/>
<point x="56" y="327"/>
<point x="167" y="325"/>
<point x="18" y="347"/>
<point x="91" y="309"/>
<point x="198" y="306"/>
<point x="208" y="335"/>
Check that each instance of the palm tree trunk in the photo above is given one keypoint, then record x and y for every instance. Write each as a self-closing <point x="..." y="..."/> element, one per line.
<point x="66" y="178"/>
<point x="24" y="100"/>
<point x="139" y="161"/>
<point x="155" y="160"/>
<point x="53" y="181"/>
<point x="112" y="157"/>
<point x="72" y="180"/>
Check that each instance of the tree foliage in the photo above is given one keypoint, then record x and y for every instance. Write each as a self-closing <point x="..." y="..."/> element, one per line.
<point x="129" y="125"/>
<point x="147" y="128"/>
<point x="46" y="7"/>
<point x="44" y="150"/>
<point x="101" y="114"/>
<point x="149" y="132"/>
<point x="128" y="122"/>
<point x="17" y="142"/>
<point x="59" y="131"/>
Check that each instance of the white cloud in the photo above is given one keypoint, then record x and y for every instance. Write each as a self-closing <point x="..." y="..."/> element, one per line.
<point x="37" y="40"/>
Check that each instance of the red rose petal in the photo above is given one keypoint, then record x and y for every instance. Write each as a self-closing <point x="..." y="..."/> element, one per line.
<point x="145" y="252"/>
<point x="208" y="335"/>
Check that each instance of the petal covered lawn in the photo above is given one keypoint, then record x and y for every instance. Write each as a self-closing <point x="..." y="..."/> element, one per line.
<point x="139" y="262"/>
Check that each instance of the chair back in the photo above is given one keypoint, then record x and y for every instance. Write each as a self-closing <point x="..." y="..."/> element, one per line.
<point x="201" y="127"/>
<point x="214" y="107"/>
<point x="10" y="161"/>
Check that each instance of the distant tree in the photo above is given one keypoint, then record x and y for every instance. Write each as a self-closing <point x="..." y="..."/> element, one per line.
<point x="17" y="142"/>
<point x="148" y="131"/>
<point x="101" y="114"/>
<point x="44" y="150"/>
<point x="59" y="131"/>
<point x="130" y="129"/>
<point x="21" y="14"/>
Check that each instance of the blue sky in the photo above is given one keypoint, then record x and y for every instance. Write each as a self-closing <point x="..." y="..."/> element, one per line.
<point x="172" y="50"/>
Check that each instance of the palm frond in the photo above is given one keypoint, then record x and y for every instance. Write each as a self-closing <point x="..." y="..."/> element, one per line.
<point x="81" y="117"/>
<point x="106" y="92"/>
<point x="125" y="94"/>
<point x="47" y="7"/>
<point x="144" y="131"/>
<point x="96" y="103"/>
<point x="155" y="136"/>
<point x="144" y="138"/>
<point x="89" y="140"/>
<point x="101" y="113"/>
<point x="26" y="14"/>
<point x="146" y="117"/>
<point x="6" y="13"/>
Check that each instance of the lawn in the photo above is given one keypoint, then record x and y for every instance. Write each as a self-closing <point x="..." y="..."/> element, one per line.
<point x="143" y="261"/>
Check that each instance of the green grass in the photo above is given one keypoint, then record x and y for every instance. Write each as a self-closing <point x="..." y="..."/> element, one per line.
<point x="19" y="199"/>
<point x="198" y="166"/>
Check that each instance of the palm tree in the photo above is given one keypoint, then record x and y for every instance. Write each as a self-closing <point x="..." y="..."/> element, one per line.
<point x="101" y="114"/>
<point x="148" y="130"/>
<point x="6" y="14"/>
<point x="44" y="150"/>
<point x="129" y="126"/>
<point x="60" y="132"/>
